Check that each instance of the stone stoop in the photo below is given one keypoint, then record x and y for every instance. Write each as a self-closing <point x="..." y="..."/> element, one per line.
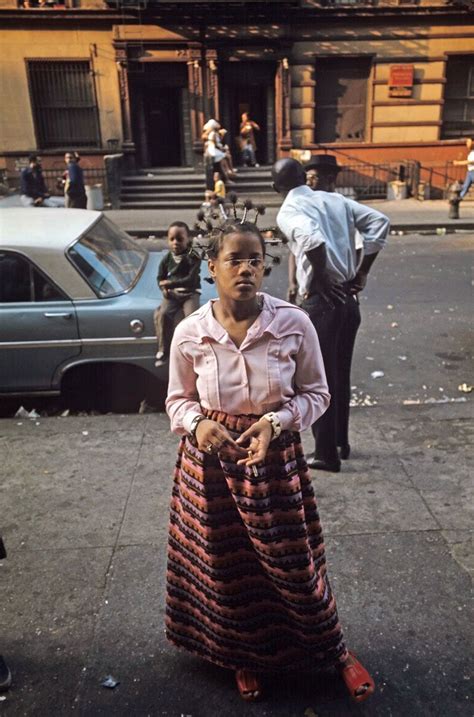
<point x="184" y="187"/>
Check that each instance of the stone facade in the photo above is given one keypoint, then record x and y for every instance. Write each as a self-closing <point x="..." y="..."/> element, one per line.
<point x="159" y="71"/>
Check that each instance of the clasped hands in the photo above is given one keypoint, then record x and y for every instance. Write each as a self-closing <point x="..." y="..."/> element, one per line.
<point x="251" y="446"/>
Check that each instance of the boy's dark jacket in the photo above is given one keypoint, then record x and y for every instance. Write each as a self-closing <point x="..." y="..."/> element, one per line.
<point x="182" y="275"/>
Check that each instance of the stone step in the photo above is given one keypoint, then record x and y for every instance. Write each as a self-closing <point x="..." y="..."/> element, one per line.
<point x="184" y="187"/>
<point x="167" y="170"/>
<point x="187" y="173"/>
<point x="191" y="180"/>
<point x="162" y="194"/>
<point x="239" y="189"/>
<point x="175" y="203"/>
<point x="194" y="170"/>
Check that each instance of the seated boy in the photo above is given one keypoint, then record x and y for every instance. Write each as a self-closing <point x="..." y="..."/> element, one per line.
<point x="179" y="280"/>
<point x="219" y="186"/>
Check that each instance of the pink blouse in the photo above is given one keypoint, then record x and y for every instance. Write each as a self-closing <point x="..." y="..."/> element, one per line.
<point x="278" y="367"/>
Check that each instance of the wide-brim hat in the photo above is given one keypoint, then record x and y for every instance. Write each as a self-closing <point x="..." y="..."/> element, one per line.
<point x="327" y="162"/>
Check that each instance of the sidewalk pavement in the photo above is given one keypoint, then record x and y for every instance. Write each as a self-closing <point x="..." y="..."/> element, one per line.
<point x="85" y="512"/>
<point x="408" y="215"/>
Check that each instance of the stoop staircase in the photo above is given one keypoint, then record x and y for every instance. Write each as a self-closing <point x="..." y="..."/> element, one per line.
<point x="184" y="187"/>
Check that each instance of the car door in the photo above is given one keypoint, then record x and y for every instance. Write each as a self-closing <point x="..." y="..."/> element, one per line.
<point x="38" y="327"/>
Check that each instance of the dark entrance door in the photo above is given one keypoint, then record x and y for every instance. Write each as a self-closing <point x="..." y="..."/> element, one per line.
<point x="163" y="118"/>
<point x="249" y="87"/>
<point x="159" y="103"/>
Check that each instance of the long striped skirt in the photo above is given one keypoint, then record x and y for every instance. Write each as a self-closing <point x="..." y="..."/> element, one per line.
<point x="246" y="581"/>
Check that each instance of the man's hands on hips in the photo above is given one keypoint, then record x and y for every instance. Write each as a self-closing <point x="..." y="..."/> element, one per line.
<point x="358" y="283"/>
<point x="328" y="288"/>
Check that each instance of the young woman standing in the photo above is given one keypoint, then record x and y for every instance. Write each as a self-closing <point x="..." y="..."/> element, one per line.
<point x="247" y="586"/>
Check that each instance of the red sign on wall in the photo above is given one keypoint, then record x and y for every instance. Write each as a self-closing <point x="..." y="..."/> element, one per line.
<point x="400" y="83"/>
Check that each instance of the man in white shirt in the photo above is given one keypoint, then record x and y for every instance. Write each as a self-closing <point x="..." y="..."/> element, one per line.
<point x="321" y="228"/>
<point x="469" y="163"/>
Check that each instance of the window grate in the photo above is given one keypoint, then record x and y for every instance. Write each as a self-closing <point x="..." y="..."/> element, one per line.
<point x="64" y="103"/>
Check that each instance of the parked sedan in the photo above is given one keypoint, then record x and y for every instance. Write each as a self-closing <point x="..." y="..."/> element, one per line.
<point x="77" y="297"/>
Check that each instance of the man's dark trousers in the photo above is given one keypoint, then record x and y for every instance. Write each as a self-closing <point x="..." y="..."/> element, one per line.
<point x="337" y="330"/>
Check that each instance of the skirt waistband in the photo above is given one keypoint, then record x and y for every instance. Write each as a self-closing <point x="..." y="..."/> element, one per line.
<point x="239" y="424"/>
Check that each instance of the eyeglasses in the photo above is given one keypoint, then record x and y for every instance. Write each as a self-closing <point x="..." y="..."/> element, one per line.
<point x="255" y="263"/>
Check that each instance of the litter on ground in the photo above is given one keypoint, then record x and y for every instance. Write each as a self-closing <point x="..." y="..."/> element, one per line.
<point x="110" y="682"/>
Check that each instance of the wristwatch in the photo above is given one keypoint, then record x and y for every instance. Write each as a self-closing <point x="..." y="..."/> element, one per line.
<point x="274" y="421"/>
<point x="194" y="424"/>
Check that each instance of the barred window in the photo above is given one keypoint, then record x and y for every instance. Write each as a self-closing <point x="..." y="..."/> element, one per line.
<point x="64" y="103"/>
<point x="458" y="112"/>
<point x="341" y="99"/>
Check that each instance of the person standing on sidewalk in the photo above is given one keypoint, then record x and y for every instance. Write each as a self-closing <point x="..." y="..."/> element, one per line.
<point x="313" y="174"/>
<point x="247" y="586"/>
<point x="320" y="226"/>
<point x="469" y="164"/>
<point x="74" y="189"/>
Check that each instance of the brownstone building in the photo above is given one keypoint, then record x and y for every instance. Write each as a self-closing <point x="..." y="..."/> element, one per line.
<point x="376" y="81"/>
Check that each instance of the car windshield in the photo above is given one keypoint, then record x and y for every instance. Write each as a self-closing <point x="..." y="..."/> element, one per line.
<point x="107" y="258"/>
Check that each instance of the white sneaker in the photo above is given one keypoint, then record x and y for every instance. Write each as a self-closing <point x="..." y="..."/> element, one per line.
<point x="160" y="355"/>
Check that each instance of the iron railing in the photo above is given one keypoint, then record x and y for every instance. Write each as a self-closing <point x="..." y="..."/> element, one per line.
<point x="92" y="175"/>
<point x="441" y="176"/>
<point x="363" y="180"/>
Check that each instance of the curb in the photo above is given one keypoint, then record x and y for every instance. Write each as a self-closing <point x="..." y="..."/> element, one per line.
<point x="439" y="229"/>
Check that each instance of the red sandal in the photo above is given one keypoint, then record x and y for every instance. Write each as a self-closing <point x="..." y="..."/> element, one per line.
<point x="356" y="678"/>
<point x="248" y="685"/>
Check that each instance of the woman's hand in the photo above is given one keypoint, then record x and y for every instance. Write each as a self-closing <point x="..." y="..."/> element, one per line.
<point x="259" y="436"/>
<point x="212" y="437"/>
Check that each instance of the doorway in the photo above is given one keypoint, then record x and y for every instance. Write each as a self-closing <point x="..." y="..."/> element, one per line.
<point x="163" y="113"/>
<point x="249" y="87"/>
<point x="159" y="101"/>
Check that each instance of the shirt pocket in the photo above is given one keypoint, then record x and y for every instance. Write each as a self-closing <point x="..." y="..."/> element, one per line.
<point x="206" y="369"/>
<point x="281" y="368"/>
<point x="278" y="360"/>
<point x="211" y="372"/>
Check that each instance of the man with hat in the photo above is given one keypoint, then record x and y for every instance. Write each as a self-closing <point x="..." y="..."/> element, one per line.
<point x="320" y="168"/>
<point x="321" y="228"/>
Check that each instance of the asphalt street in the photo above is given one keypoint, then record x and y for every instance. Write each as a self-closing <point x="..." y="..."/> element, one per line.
<point x="84" y="517"/>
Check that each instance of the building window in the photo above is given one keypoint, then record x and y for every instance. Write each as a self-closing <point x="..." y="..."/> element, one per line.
<point x="341" y="99"/>
<point x="458" y="114"/>
<point x="64" y="103"/>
